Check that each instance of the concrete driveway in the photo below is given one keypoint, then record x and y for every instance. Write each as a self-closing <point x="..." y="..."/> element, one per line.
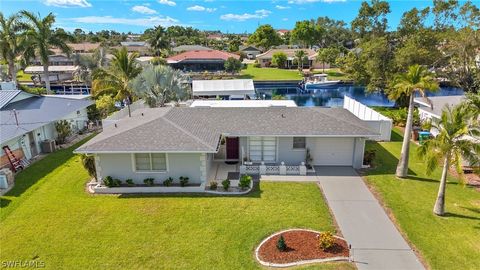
<point x="376" y="242"/>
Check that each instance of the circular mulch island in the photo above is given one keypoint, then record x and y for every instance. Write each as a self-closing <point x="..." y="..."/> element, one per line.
<point x="302" y="249"/>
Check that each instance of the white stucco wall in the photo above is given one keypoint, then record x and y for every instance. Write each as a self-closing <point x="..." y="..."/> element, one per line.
<point x="287" y="154"/>
<point x="121" y="166"/>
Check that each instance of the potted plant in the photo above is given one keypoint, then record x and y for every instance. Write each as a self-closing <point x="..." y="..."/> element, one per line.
<point x="183" y="181"/>
<point x="168" y="182"/>
<point x="245" y="181"/>
<point x="226" y="184"/>
<point x="149" y="181"/>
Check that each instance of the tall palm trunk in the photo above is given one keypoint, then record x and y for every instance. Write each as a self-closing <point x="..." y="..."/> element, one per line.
<point x="46" y="74"/>
<point x="402" y="167"/>
<point x="12" y="71"/>
<point x="439" y="208"/>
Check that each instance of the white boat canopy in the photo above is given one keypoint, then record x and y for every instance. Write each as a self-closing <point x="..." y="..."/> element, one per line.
<point x="243" y="103"/>
<point x="223" y="87"/>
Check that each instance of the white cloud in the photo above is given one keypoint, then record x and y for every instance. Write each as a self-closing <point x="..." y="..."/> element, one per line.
<point x="281" y="7"/>
<point x="259" y="14"/>
<point x="201" y="8"/>
<point x="67" y="3"/>
<point x="299" y="2"/>
<point x="285" y="19"/>
<point x="156" y="20"/>
<point x="143" y="10"/>
<point x="167" y="2"/>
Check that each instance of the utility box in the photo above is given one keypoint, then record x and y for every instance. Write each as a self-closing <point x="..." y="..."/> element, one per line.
<point x="48" y="146"/>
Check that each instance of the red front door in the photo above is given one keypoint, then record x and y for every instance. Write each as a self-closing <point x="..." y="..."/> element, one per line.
<point x="232" y="148"/>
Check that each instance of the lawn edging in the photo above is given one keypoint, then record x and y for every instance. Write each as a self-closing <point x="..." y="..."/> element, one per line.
<point x="303" y="262"/>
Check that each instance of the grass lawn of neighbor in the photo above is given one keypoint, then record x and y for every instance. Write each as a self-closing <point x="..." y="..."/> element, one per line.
<point x="50" y="218"/>
<point x="266" y="74"/>
<point x="450" y="242"/>
<point x="21" y="76"/>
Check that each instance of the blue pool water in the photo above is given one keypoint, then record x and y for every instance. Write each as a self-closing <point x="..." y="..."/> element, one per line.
<point x="333" y="96"/>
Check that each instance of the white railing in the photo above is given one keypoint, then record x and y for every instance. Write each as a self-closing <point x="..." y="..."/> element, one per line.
<point x="281" y="169"/>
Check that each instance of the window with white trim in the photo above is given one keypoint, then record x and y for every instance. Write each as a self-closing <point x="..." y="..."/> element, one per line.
<point x="263" y="148"/>
<point x="150" y="162"/>
<point x="299" y="143"/>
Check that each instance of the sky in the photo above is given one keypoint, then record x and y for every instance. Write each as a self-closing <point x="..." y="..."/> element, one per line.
<point x="228" y="16"/>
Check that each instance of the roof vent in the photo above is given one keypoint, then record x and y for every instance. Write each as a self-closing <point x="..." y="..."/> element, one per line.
<point x="142" y="113"/>
<point x="115" y="124"/>
<point x="283" y="116"/>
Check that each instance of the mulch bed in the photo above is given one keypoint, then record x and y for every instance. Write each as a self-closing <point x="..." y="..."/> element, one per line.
<point x="302" y="245"/>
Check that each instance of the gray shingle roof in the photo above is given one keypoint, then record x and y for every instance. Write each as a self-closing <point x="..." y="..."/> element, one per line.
<point x="183" y="48"/>
<point x="188" y="129"/>
<point x="34" y="112"/>
<point x="438" y="103"/>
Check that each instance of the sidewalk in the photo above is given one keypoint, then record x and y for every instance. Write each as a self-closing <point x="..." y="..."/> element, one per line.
<point x="376" y="242"/>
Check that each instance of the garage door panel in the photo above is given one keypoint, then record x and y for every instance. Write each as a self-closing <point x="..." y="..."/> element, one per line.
<point x="333" y="151"/>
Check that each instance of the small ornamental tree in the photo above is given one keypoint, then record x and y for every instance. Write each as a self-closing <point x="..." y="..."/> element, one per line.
<point x="326" y="240"/>
<point x="63" y="130"/>
<point x="281" y="245"/>
<point x="233" y="65"/>
<point x="279" y="59"/>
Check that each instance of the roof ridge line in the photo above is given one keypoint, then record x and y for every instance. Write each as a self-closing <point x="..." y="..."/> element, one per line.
<point x="187" y="132"/>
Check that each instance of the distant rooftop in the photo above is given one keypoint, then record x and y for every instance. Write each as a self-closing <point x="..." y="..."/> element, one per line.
<point x="184" y="48"/>
<point x="133" y="43"/>
<point x="201" y="55"/>
<point x="438" y="103"/>
<point x="243" y="103"/>
<point x="223" y="87"/>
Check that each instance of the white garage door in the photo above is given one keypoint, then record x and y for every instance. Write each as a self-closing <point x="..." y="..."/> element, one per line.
<point x="333" y="151"/>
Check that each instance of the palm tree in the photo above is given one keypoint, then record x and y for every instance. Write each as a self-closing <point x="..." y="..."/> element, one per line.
<point x="472" y="102"/>
<point x="115" y="80"/>
<point x="12" y="42"/>
<point x="416" y="81"/>
<point x="300" y="55"/>
<point x="452" y="145"/>
<point x="159" y="40"/>
<point x="42" y="38"/>
<point x="158" y="85"/>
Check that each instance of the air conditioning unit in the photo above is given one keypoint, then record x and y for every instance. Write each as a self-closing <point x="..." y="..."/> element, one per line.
<point x="48" y="146"/>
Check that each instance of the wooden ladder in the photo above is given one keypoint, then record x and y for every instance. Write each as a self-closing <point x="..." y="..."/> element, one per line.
<point x="14" y="162"/>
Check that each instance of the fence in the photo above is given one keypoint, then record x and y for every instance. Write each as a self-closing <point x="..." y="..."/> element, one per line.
<point x="377" y="122"/>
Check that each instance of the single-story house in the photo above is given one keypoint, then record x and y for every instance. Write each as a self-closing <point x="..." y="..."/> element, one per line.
<point x="140" y="47"/>
<point x="204" y="60"/>
<point x="186" y="48"/>
<point x="27" y="120"/>
<point x="282" y="32"/>
<point x="431" y="108"/>
<point x="265" y="59"/>
<point x="184" y="141"/>
<point x="225" y="89"/>
<point x="250" y="51"/>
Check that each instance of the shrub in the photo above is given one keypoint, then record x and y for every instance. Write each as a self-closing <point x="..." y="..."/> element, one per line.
<point x="168" y="182"/>
<point x="232" y="65"/>
<point x="183" y="181"/>
<point x="63" y="130"/>
<point x="117" y="182"/>
<point x="279" y="59"/>
<point x="213" y="185"/>
<point x="149" y="181"/>
<point x="245" y="181"/>
<point x="256" y="65"/>
<point x="226" y="184"/>
<point x="281" y="245"/>
<point x="108" y="181"/>
<point x="129" y="182"/>
<point x="88" y="163"/>
<point x="326" y="240"/>
<point x="368" y="157"/>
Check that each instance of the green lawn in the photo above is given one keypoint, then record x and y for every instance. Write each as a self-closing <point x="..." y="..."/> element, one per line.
<point x="48" y="216"/>
<point x="21" y="76"/>
<point x="266" y="74"/>
<point x="450" y="242"/>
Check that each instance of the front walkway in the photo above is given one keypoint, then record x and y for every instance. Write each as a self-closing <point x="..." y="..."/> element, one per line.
<point x="376" y="243"/>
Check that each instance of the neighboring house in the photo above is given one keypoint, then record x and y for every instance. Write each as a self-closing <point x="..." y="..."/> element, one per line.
<point x="79" y="48"/>
<point x="185" y="141"/>
<point x="61" y="68"/>
<point x="186" y="48"/>
<point x="431" y="108"/>
<point x="140" y="47"/>
<point x="205" y="60"/>
<point x="265" y="59"/>
<point x="250" y="51"/>
<point x="282" y="32"/>
<point x="27" y="120"/>
<point x="225" y="89"/>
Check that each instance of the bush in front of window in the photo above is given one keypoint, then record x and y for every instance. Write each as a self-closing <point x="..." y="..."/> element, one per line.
<point x="213" y="185"/>
<point x="183" y="181"/>
<point x="245" y="181"/>
<point x="226" y="184"/>
<point x="168" y="182"/>
<point x="149" y="181"/>
<point x="110" y="182"/>
<point x="130" y="182"/>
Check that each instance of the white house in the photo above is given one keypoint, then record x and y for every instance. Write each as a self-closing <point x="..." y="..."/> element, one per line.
<point x="188" y="141"/>
<point x="27" y="120"/>
<point x="431" y="108"/>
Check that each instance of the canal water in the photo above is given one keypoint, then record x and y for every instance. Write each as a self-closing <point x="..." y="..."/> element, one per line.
<point x="333" y="96"/>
